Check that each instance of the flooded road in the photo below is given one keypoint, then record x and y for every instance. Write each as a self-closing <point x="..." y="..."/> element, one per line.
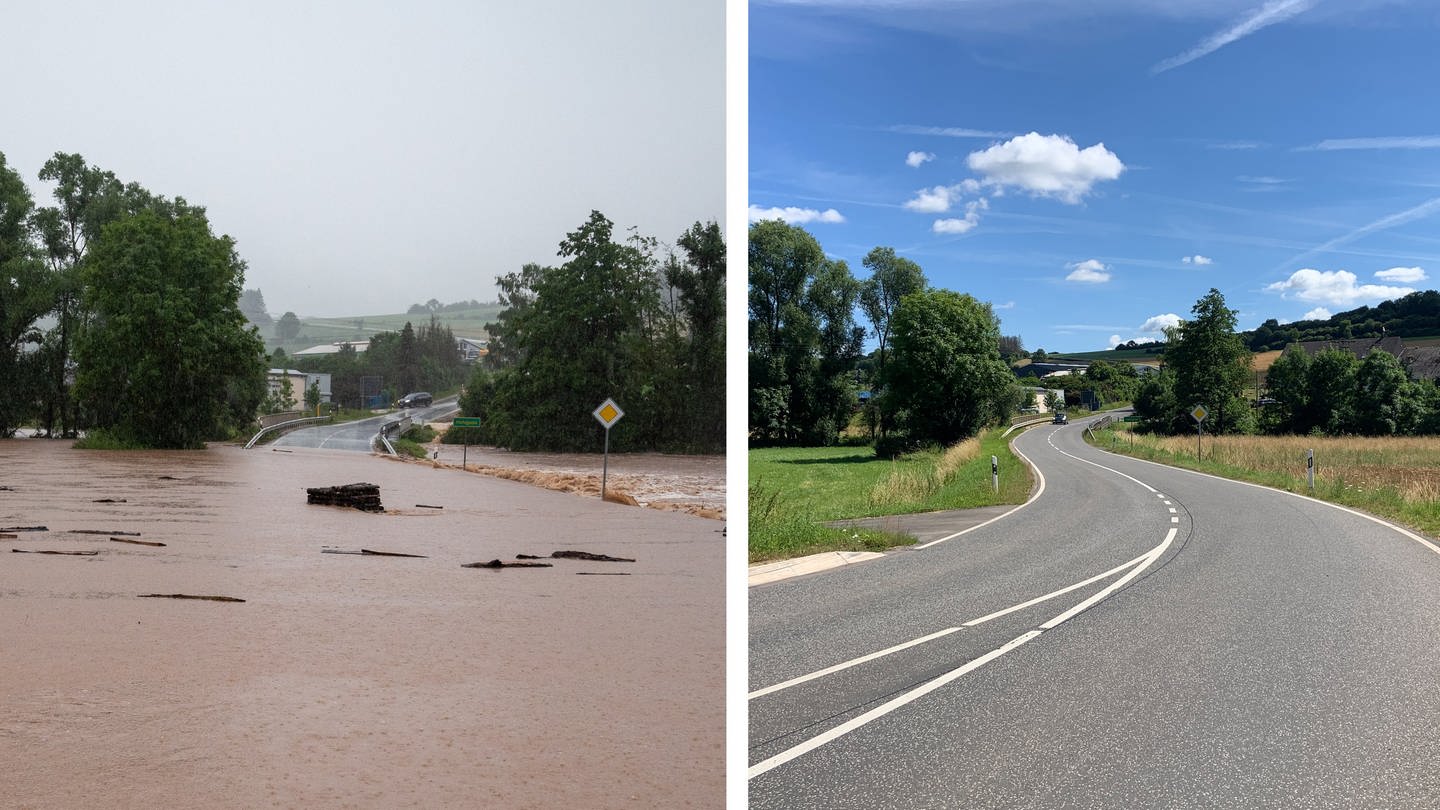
<point x="348" y="680"/>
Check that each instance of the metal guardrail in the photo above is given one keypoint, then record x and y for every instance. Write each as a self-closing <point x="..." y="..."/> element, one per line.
<point x="396" y="427"/>
<point x="284" y="425"/>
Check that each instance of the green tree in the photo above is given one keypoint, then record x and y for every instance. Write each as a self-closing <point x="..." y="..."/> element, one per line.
<point x="407" y="367"/>
<point x="24" y="297"/>
<point x="696" y="382"/>
<point x="579" y="336"/>
<point x="1387" y="403"/>
<point x="1211" y="364"/>
<point x="803" y="339"/>
<point x="1288" y="382"/>
<point x="288" y="327"/>
<point x="945" y="376"/>
<point x="312" y="396"/>
<point x="891" y="278"/>
<point x="1156" y="405"/>
<point x="1331" y="391"/>
<point x="168" y="360"/>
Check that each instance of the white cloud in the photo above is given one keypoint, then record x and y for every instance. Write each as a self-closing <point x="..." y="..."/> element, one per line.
<point x="933" y="200"/>
<point x="1157" y="324"/>
<point x="1046" y="166"/>
<point x="1115" y="341"/>
<point x="915" y="159"/>
<point x="1335" y="287"/>
<point x="948" y="132"/>
<point x="1317" y="314"/>
<point x="1272" y="12"/>
<point x="1006" y="305"/>
<point x="1403" y="275"/>
<point x="1197" y="259"/>
<point x="1089" y="271"/>
<point x="1388" y="142"/>
<point x="972" y="218"/>
<point x="795" y="216"/>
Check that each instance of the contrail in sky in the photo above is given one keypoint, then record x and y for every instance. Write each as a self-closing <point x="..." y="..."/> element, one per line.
<point x="1273" y="12"/>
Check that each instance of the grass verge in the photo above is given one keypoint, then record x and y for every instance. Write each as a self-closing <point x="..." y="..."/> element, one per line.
<point x="1397" y="478"/>
<point x="794" y="491"/>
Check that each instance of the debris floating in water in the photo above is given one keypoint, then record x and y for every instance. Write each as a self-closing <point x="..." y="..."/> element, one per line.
<point x="136" y="542"/>
<point x="587" y="556"/>
<point x="369" y="552"/>
<point x="66" y="553"/>
<point x="365" y="497"/>
<point x="190" y="596"/>
<point x="503" y="564"/>
<point x="104" y="531"/>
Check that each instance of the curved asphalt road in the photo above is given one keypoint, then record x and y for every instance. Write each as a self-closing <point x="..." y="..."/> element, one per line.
<point x="1226" y="646"/>
<point x="357" y="436"/>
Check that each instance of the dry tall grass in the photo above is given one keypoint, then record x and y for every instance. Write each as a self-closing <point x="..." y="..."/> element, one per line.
<point x="1410" y="466"/>
<point x="907" y="484"/>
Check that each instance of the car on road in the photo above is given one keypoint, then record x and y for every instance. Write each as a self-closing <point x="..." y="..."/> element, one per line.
<point x="419" y="399"/>
<point x="1060" y="419"/>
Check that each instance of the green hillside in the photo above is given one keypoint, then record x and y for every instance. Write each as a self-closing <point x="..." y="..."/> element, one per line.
<point x="314" y="331"/>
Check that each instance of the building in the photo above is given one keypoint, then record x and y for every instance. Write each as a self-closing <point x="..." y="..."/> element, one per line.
<point x="472" y="349"/>
<point x="333" y="348"/>
<point x="300" y="382"/>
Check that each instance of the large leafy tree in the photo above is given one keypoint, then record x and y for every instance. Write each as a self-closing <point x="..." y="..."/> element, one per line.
<point x="1387" y="402"/>
<point x="945" y="375"/>
<point x="24" y="297"/>
<point x="1330" y="391"/>
<point x="692" y="374"/>
<point x="1211" y="364"/>
<point x="87" y="199"/>
<point x="803" y="338"/>
<point x="578" y="336"/>
<point x="167" y="360"/>
<point x="891" y="278"/>
<point x="1288" y="381"/>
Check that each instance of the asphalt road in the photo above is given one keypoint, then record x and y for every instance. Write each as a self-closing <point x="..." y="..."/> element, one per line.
<point x="358" y="436"/>
<point x="1211" y="644"/>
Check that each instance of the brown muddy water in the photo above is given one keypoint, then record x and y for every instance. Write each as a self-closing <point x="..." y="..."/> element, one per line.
<point x="347" y="680"/>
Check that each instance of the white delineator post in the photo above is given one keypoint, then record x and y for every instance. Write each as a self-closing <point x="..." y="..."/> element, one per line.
<point x="1310" y="468"/>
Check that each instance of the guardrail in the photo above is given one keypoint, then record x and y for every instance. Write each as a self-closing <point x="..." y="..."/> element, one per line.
<point x="398" y="426"/>
<point x="284" y="425"/>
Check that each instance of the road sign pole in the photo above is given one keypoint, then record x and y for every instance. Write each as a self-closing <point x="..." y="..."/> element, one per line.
<point x="995" y="473"/>
<point x="607" y="415"/>
<point x="605" y="465"/>
<point x="1310" y="468"/>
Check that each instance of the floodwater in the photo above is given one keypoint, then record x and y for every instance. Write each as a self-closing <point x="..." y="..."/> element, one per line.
<point x="691" y="484"/>
<point x="347" y="680"/>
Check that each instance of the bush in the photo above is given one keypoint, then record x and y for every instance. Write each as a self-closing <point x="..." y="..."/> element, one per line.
<point x="892" y="445"/>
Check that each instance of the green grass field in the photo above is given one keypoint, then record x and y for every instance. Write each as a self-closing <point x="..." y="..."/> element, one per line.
<point x="315" y="331"/>
<point x="1394" y="477"/>
<point x="795" y="490"/>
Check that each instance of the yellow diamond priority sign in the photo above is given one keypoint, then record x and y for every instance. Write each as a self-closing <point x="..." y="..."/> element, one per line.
<point x="608" y="413"/>
<point x="1199" y="413"/>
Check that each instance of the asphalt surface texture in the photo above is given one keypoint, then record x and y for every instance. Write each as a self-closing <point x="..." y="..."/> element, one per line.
<point x="358" y="436"/>
<point x="1244" y="648"/>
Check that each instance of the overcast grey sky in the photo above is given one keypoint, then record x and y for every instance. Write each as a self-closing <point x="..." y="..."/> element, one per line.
<point x="369" y="155"/>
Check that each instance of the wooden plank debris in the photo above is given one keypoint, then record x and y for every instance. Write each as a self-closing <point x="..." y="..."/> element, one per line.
<point x="136" y="542"/>
<point x="365" y="497"/>
<point x="110" y="500"/>
<point x="12" y="529"/>
<point x="602" y="573"/>
<point x="502" y="564"/>
<point x="189" y="596"/>
<point x="370" y="553"/>
<point x="587" y="556"/>
<point x="427" y="506"/>
<point x="67" y="553"/>
<point x="104" y="531"/>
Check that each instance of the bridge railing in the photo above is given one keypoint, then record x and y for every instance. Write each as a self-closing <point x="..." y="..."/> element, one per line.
<point x="283" y="426"/>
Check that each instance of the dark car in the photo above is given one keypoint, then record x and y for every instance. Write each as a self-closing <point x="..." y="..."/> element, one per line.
<point x="1060" y="419"/>
<point x="419" y="399"/>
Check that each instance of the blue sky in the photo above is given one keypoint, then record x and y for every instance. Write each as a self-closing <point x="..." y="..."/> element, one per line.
<point x="1092" y="169"/>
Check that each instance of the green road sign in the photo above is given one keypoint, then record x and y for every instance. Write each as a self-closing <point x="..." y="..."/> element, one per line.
<point x="467" y="421"/>
<point x="1131" y="418"/>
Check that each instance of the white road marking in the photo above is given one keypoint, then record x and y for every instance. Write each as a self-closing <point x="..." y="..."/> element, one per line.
<point x="899" y="701"/>
<point x="830" y="670"/>
<point x="924" y="689"/>
<point x="884" y="709"/>
<point x="1038" y="492"/>
<point x="1387" y="524"/>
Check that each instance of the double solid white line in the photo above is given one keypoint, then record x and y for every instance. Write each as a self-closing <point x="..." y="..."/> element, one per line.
<point x="1137" y="566"/>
